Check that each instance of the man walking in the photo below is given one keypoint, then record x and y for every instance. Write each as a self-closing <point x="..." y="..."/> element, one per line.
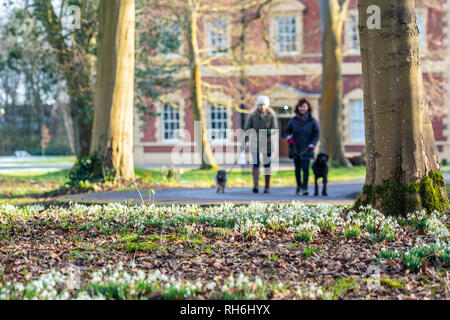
<point x="262" y="121"/>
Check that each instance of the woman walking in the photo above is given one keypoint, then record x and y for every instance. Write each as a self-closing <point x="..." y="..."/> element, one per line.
<point x="302" y="135"/>
<point x="262" y="119"/>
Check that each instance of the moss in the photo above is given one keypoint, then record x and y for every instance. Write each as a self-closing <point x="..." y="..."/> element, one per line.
<point x="341" y="287"/>
<point x="432" y="192"/>
<point x="141" y="246"/>
<point x="391" y="283"/>
<point x="393" y="198"/>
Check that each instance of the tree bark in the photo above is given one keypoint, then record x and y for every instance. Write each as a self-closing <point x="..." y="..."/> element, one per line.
<point x="112" y="135"/>
<point x="207" y="157"/>
<point x="403" y="170"/>
<point x="332" y="13"/>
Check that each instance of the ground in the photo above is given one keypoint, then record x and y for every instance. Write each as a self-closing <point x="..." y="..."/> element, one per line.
<point x="151" y="248"/>
<point x="286" y="251"/>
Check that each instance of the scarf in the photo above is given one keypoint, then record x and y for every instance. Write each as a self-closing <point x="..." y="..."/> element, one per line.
<point x="304" y="118"/>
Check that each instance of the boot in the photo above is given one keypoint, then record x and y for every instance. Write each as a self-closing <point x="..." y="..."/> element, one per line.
<point x="267" y="188"/>
<point x="255" y="173"/>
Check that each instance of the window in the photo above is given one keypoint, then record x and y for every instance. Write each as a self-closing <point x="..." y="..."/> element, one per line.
<point x="353" y="34"/>
<point x="353" y="44"/>
<point x="286" y="27"/>
<point x="218" y="123"/>
<point x="357" y="121"/>
<point x="286" y="35"/>
<point x="421" y="25"/>
<point x="170" y="123"/>
<point x="218" y="37"/>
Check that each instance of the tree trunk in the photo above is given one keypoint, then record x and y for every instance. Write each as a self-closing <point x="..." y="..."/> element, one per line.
<point x="403" y="171"/>
<point x="332" y="13"/>
<point x="82" y="128"/>
<point x="112" y="135"/>
<point x="207" y="157"/>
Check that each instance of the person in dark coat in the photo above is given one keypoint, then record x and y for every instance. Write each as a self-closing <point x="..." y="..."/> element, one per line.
<point x="302" y="135"/>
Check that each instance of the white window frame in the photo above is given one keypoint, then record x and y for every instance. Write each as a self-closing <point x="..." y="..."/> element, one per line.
<point x="285" y="35"/>
<point x="175" y="99"/>
<point x="225" y="36"/>
<point x="352" y="121"/>
<point x="287" y="9"/>
<point x="353" y="14"/>
<point x="173" y="118"/>
<point x="352" y="17"/>
<point x="223" y="122"/>
<point x="355" y="94"/>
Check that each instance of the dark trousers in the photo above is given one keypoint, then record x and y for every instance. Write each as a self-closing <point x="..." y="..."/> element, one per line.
<point x="302" y="166"/>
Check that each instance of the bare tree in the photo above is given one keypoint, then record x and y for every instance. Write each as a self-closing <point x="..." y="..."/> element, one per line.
<point x="332" y="17"/>
<point x="189" y="15"/>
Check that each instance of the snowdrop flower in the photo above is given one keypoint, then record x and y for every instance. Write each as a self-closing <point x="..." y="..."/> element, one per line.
<point x="211" y="285"/>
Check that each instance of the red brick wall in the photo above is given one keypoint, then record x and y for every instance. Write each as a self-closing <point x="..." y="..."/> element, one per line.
<point x="311" y="54"/>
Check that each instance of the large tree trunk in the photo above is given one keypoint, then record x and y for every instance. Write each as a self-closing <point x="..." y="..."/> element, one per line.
<point x="403" y="171"/>
<point x="112" y="135"/>
<point x="332" y="13"/>
<point x="207" y="157"/>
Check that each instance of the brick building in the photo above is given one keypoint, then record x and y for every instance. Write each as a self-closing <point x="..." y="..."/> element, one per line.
<point x="293" y="27"/>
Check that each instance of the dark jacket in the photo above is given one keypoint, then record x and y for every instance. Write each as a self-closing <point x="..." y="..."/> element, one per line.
<point x="257" y="122"/>
<point x="305" y="132"/>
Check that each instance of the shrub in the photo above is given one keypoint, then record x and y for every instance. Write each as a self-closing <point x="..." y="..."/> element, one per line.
<point x="89" y="169"/>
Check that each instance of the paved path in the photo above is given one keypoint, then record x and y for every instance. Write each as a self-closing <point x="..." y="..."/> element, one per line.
<point x="339" y="193"/>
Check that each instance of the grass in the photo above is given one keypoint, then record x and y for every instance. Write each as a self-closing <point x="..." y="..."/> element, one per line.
<point x="21" y="187"/>
<point x="283" y="177"/>
<point x="26" y="187"/>
<point x="29" y="187"/>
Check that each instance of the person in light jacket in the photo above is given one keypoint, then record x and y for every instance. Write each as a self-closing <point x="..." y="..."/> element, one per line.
<point x="302" y="135"/>
<point x="262" y="119"/>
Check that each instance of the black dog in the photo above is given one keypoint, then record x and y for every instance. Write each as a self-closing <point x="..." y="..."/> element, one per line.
<point x="320" y="169"/>
<point x="221" y="180"/>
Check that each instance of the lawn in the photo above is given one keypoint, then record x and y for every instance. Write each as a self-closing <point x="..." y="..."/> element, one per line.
<point x="259" y="251"/>
<point x="29" y="187"/>
<point x="240" y="177"/>
<point x="25" y="187"/>
<point x="38" y="161"/>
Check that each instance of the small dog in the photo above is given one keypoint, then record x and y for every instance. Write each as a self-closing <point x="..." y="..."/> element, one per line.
<point x="320" y="169"/>
<point x="221" y="180"/>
